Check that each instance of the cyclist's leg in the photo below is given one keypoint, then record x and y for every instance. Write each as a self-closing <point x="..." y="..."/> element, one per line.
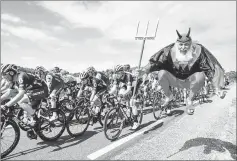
<point x="98" y="98"/>
<point x="134" y="106"/>
<point x="167" y="80"/>
<point x="25" y="104"/>
<point x="53" y="99"/>
<point x="197" y="81"/>
<point x="10" y="93"/>
<point x="31" y="100"/>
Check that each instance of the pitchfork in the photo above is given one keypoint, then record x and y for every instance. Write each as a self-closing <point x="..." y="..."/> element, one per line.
<point x="144" y="38"/>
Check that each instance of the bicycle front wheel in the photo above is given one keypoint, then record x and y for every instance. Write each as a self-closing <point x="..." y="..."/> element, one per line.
<point x="51" y="131"/>
<point x="113" y="125"/>
<point x="157" y="110"/>
<point x="78" y="126"/>
<point x="7" y="146"/>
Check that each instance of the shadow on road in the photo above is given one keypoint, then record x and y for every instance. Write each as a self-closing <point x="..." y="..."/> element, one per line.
<point x="62" y="140"/>
<point x="133" y="131"/>
<point x="176" y="113"/>
<point x="147" y="110"/>
<point x="68" y="139"/>
<point x="24" y="152"/>
<point x="154" y="128"/>
<point x="209" y="145"/>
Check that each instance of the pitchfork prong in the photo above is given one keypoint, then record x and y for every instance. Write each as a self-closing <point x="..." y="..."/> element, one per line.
<point x="147" y="28"/>
<point x="137" y="27"/>
<point x="157" y="26"/>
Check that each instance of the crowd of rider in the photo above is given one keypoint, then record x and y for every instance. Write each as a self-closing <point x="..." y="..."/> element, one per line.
<point x="28" y="89"/>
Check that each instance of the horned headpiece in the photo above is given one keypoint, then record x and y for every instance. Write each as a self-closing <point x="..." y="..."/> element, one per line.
<point x="184" y="37"/>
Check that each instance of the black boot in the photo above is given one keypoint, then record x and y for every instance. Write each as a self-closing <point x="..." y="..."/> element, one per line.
<point x="31" y="134"/>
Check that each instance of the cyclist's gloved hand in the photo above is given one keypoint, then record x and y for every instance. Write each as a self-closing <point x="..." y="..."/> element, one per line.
<point x="4" y="108"/>
<point x="138" y="72"/>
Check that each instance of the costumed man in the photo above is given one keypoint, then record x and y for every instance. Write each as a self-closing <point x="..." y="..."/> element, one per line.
<point x="185" y="64"/>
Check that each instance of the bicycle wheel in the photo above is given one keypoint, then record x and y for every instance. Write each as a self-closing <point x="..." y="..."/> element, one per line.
<point x="157" y="110"/>
<point x="46" y="127"/>
<point x="67" y="105"/>
<point x="10" y="128"/>
<point x="21" y="124"/>
<point x="78" y="126"/>
<point x="102" y="114"/>
<point x="113" y="125"/>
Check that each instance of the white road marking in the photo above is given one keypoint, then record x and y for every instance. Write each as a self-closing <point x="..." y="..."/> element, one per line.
<point x="114" y="145"/>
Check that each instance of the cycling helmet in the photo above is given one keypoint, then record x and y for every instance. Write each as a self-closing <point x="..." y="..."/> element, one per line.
<point x="64" y="72"/>
<point x="84" y="75"/>
<point x="56" y="69"/>
<point x="127" y="66"/>
<point x="118" y="68"/>
<point x="40" y="68"/>
<point x="8" y="67"/>
<point x="90" y="69"/>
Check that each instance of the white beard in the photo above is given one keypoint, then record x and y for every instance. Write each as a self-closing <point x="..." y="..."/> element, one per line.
<point x="180" y="57"/>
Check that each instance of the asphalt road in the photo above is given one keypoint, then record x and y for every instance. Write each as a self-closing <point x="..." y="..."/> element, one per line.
<point x="208" y="134"/>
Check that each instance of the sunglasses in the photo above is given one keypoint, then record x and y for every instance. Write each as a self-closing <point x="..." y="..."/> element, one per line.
<point x="37" y="72"/>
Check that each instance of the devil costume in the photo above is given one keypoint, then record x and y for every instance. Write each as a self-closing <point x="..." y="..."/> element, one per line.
<point x="202" y="60"/>
<point x="185" y="70"/>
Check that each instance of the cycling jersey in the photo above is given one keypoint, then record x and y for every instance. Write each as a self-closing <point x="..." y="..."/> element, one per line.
<point x="124" y="78"/>
<point x="103" y="77"/>
<point x="35" y="88"/>
<point x="27" y="81"/>
<point x="97" y="84"/>
<point x="54" y="82"/>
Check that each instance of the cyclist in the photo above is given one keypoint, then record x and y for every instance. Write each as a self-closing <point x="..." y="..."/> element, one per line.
<point x="122" y="85"/>
<point x="69" y="81"/>
<point x="98" y="88"/>
<point x="40" y="71"/>
<point x="99" y="75"/>
<point x="55" y="84"/>
<point x="31" y="90"/>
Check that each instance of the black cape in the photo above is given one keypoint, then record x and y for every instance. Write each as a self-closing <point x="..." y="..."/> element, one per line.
<point x="204" y="62"/>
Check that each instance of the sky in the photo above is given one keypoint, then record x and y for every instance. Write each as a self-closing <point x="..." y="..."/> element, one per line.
<point x="77" y="34"/>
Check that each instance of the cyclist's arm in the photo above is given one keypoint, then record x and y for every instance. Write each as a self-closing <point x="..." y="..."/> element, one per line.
<point x="129" y="83"/>
<point x="93" y="92"/>
<point x="113" y="90"/>
<point x="80" y="91"/>
<point x="17" y="98"/>
<point x="5" y="86"/>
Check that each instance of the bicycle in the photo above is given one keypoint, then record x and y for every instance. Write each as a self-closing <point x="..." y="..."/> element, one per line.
<point x="84" y="114"/>
<point x="13" y="117"/>
<point x="123" y="113"/>
<point x="158" y="109"/>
